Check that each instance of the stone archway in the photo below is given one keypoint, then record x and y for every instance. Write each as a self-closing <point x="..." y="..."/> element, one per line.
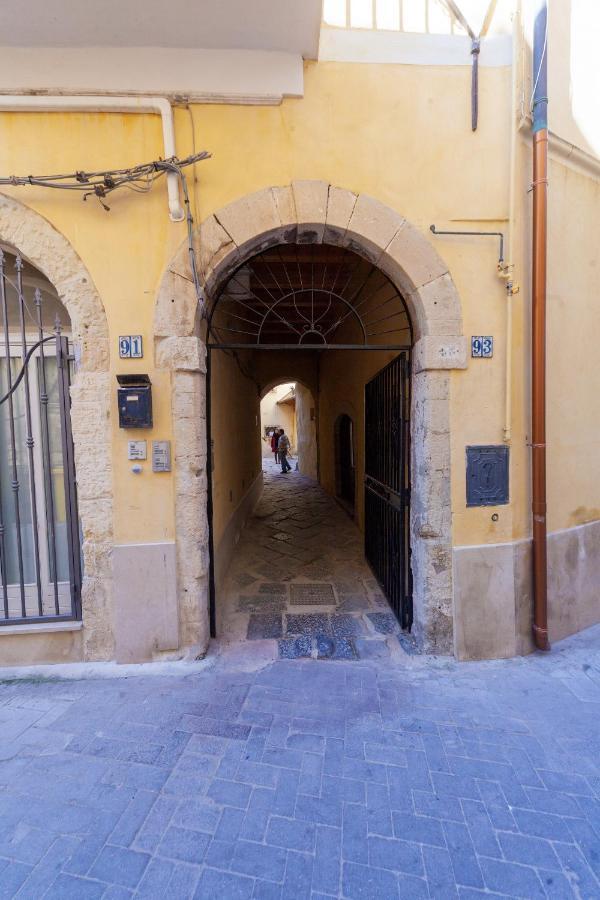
<point x="283" y="379"/>
<point x="317" y="212"/>
<point x="40" y="243"/>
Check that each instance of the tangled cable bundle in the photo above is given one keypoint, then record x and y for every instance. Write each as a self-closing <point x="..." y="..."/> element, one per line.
<point x="101" y="184"/>
<point x="136" y="178"/>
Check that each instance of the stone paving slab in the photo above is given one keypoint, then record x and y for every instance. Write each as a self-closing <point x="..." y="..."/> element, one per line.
<point x="304" y="778"/>
<point x="264" y="625"/>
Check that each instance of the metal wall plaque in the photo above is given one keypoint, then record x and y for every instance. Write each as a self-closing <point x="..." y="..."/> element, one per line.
<point x="487" y="475"/>
<point x="161" y="456"/>
<point x="136" y="450"/>
<point x="482" y="346"/>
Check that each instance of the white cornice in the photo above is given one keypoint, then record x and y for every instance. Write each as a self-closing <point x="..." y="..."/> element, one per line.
<point x="201" y="76"/>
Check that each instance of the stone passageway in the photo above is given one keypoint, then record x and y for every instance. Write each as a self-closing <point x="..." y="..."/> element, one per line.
<point x="299" y="578"/>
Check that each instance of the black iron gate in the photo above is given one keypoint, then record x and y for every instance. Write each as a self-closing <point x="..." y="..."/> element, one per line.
<point x="40" y="561"/>
<point x="387" y="404"/>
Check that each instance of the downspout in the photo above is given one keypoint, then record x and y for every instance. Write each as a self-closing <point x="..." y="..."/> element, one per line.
<point x="538" y="324"/>
<point x="65" y="103"/>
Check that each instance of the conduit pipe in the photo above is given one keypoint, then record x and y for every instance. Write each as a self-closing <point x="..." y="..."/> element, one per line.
<point x="65" y="103"/>
<point x="511" y="286"/>
<point x="538" y="324"/>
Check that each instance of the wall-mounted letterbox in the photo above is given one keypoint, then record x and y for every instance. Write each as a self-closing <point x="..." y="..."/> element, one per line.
<point x="135" y="401"/>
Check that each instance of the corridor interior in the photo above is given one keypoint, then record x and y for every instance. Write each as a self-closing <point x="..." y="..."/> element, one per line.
<point x="295" y="336"/>
<point x="299" y="579"/>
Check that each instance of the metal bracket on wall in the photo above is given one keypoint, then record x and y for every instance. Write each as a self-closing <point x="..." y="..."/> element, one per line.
<point x="498" y="234"/>
<point x="457" y="14"/>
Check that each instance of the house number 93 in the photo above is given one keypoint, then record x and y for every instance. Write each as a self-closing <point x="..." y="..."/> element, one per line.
<point x="482" y="346"/>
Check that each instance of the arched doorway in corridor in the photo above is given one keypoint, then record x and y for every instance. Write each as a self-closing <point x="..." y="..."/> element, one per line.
<point x="290" y="407"/>
<point x="322" y="320"/>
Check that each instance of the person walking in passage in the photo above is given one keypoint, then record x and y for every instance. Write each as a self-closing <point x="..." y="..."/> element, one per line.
<point x="283" y="447"/>
<point x="274" y="441"/>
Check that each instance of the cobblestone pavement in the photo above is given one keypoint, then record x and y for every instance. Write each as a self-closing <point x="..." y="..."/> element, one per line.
<point x="299" y="580"/>
<point x="306" y="779"/>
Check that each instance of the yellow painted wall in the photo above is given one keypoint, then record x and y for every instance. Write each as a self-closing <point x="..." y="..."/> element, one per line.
<point x="124" y="251"/>
<point x="306" y="431"/>
<point x="573" y="409"/>
<point x="402" y="135"/>
<point x="235" y="434"/>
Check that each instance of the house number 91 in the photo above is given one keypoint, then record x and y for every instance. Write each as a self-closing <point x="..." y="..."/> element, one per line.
<point x="130" y="346"/>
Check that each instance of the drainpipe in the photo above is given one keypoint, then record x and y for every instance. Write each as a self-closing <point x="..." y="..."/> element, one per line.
<point x="538" y="324"/>
<point x="160" y="105"/>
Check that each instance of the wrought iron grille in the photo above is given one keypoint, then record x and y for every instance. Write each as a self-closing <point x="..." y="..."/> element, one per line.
<point x="40" y="567"/>
<point x="312" y="296"/>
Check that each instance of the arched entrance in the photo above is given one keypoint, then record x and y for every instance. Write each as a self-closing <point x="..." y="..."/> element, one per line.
<point x="350" y="321"/>
<point x="318" y="213"/>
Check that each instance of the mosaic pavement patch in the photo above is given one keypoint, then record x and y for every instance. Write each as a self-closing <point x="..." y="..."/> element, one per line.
<point x="309" y="623"/>
<point x="345" y="626"/>
<point x="334" y="648"/>
<point x="312" y="595"/>
<point x="295" y="648"/>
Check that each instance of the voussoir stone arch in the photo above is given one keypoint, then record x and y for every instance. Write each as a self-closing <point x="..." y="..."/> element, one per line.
<point x="31" y="235"/>
<point x="318" y="212"/>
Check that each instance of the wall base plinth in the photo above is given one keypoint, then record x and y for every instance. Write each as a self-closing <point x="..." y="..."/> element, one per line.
<point x="493" y="592"/>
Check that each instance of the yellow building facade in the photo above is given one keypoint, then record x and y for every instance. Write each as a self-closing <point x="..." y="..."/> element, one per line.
<point x="368" y="158"/>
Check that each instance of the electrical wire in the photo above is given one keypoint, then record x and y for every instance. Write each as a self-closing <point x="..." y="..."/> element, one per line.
<point x="139" y="178"/>
<point x="100" y="184"/>
<point x="195" y="171"/>
<point x="539" y="71"/>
